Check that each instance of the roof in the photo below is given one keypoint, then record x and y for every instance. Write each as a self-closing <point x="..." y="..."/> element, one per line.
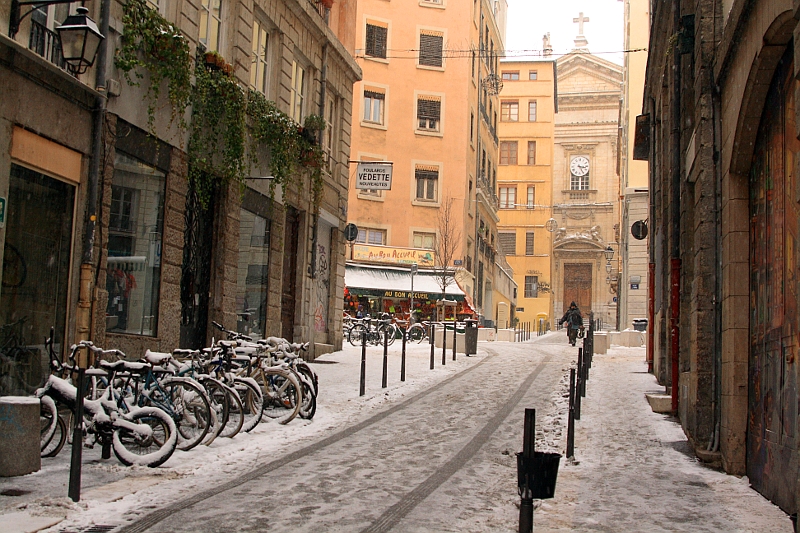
<point x="380" y="280"/>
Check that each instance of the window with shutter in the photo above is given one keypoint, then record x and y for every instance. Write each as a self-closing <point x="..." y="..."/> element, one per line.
<point x="508" y="242"/>
<point x="427" y="182"/>
<point x="531" y="286"/>
<point x="529" y="243"/>
<point x="373" y="106"/>
<point x="376" y="41"/>
<point x="431" y="46"/>
<point x="428" y="113"/>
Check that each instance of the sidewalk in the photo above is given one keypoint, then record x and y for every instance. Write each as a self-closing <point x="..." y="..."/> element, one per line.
<point x="635" y="471"/>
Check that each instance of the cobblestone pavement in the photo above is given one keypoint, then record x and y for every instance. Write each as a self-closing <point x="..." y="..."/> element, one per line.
<point x="442" y="460"/>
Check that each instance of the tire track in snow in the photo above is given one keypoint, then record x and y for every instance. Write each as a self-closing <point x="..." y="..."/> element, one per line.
<point x="150" y="520"/>
<point x="399" y="510"/>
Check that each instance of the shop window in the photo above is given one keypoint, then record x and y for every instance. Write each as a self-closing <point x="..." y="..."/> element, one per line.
<point x="508" y="152"/>
<point x="531" y="286"/>
<point x="508" y="242"/>
<point x="431" y="46"/>
<point x="210" y="22"/>
<point x="35" y="275"/>
<point x="136" y="220"/>
<point x="252" y="274"/>
<point x="376" y="40"/>
<point x="509" y="111"/>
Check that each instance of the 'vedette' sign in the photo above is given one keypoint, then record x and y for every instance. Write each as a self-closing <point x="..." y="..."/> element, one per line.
<point x="375" y="176"/>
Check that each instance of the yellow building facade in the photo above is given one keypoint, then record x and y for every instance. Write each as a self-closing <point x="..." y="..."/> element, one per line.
<point x="525" y="181"/>
<point x="428" y="103"/>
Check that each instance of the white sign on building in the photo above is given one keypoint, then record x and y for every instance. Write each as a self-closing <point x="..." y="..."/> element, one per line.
<point x="374" y="175"/>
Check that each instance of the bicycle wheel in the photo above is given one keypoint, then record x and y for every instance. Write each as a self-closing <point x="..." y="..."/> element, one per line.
<point x="282" y="394"/>
<point x="356" y="333"/>
<point x="235" y="413"/>
<point x="302" y="368"/>
<point x="309" y="405"/>
<point x="252" y="402"/>
<point x="220" y="408"/>
<point x="58" y="439"/>
<point x="48" y="420"/>
<point x="187" y="404"/>
<point x="150" y="445"/>
<point x="416" y="333"/>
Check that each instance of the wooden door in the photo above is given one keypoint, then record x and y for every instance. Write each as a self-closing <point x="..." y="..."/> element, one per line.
<point x="289" y="290"/>
<point x="772" y="431"/>
<point x="578" y="287"/>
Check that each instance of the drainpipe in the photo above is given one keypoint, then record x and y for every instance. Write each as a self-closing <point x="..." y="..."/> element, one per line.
<point x="87" y="276"/>
<point x="312" y="268"/>
<point x="675" y="263"/>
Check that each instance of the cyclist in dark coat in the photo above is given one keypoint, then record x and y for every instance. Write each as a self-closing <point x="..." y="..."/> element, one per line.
<point x="574" y="321"/>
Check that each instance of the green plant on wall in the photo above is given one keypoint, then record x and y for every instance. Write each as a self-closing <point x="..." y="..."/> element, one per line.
<point x="218" y="133"/>
<point x="153" y="43"/>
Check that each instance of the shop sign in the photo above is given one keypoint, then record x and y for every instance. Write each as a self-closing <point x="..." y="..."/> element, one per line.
<point x="374" y="176"/>
<point x="387" y="254"/>
<point x="404" y="294"/>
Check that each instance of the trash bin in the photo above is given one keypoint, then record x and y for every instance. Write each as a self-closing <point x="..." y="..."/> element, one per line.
<point x="470" y="336"/>
<point x="19" y="436"/>
<point x="640" y="324"/>
<point x="538" y="475"/>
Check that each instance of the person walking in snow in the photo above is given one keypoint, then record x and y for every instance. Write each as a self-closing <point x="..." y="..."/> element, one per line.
<point x="574" y="321"/>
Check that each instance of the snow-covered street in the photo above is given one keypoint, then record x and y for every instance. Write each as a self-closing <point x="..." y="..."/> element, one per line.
<point x="433" y="453"/>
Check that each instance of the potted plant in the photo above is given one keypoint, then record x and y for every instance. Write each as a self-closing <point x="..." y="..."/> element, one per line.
<point x="314" y="123"/>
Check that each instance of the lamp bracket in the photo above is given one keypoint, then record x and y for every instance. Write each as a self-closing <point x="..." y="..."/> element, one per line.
<point x="15" y="18"/>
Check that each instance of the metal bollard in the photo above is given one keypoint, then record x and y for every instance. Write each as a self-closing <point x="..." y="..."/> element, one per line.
<point x="77" y="442"/>
<point x="430" y="338"/>
<point x="385" y="357"/>
<point x="578" y="379"/>
<point x="454" y="341"/>
<point x="582" y="371"/>
<point x="363" y="385"/>
<point x="444" y="344"/>
<point x="571" y="418"/>
<point x="526" y="505"/>
<point x="403" y="357"/>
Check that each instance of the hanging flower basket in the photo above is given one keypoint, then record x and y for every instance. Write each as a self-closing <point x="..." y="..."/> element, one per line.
<point x="214" y="61"/>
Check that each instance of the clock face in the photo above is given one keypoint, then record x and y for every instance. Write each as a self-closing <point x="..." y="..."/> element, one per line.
<point x="579" y="166"/>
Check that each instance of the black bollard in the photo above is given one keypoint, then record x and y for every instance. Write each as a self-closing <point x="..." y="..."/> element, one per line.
<point x="455" y="344"/>
<point x="582" y="371"/>
<point x="526" y="503"/>
<point x="385" y="357"/>
<point x="430" y="338"/>
<point x="77" y="442"/>
<point x="578" y="378"/>
<point x="444" y="344"/>
<point x="571" y="418"/>
<point x="362" y="387"/>
<point x="403" y="357"/>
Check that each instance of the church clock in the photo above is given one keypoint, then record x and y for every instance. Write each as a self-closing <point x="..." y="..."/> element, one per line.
<point x="579" y="166"/>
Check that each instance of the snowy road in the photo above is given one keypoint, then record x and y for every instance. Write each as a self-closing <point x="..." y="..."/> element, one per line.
<point x="438" y="461"/>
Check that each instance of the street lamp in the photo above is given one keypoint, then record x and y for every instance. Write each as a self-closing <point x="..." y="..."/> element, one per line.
<point x="609" y="253"/>
<point x="80" y="38"/>
<point x="608" y="267"/>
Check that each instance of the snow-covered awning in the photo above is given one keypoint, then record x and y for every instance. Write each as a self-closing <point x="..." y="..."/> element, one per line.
<point x="395" y="282"/>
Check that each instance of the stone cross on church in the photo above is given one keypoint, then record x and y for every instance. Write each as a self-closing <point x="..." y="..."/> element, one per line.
<point x="580" y="41"/>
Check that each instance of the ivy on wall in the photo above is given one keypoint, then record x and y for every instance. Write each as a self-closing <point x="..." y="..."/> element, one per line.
<point x="223" y="113"/>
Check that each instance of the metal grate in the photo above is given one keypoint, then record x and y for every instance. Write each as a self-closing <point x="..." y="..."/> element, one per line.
<point x="94" y="528"/>
<point x="14" y="492"/>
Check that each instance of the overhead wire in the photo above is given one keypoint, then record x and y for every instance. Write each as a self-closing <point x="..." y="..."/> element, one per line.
<point x="470" y="53"/>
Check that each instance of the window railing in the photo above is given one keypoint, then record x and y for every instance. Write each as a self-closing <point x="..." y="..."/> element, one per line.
<point x="45" y="43"/>
<point x="320" y="7"/>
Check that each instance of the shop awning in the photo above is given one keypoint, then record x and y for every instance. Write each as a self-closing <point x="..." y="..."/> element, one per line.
<point x="395" y="282"/>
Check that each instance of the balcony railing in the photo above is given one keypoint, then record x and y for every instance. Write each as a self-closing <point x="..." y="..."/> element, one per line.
<point x="45" y="43"/>
<point x="319" y="7"/>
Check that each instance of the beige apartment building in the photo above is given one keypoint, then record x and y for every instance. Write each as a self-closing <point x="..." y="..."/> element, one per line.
<point x="428" y="104"/>
<point x="634" y="173"/>
<point x="525" y="181"/>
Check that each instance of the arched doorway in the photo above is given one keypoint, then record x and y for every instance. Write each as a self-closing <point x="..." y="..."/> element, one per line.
<point x="772" y="458"/>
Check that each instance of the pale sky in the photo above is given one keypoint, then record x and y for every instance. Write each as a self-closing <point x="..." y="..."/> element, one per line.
<point x="529" y="20"/>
